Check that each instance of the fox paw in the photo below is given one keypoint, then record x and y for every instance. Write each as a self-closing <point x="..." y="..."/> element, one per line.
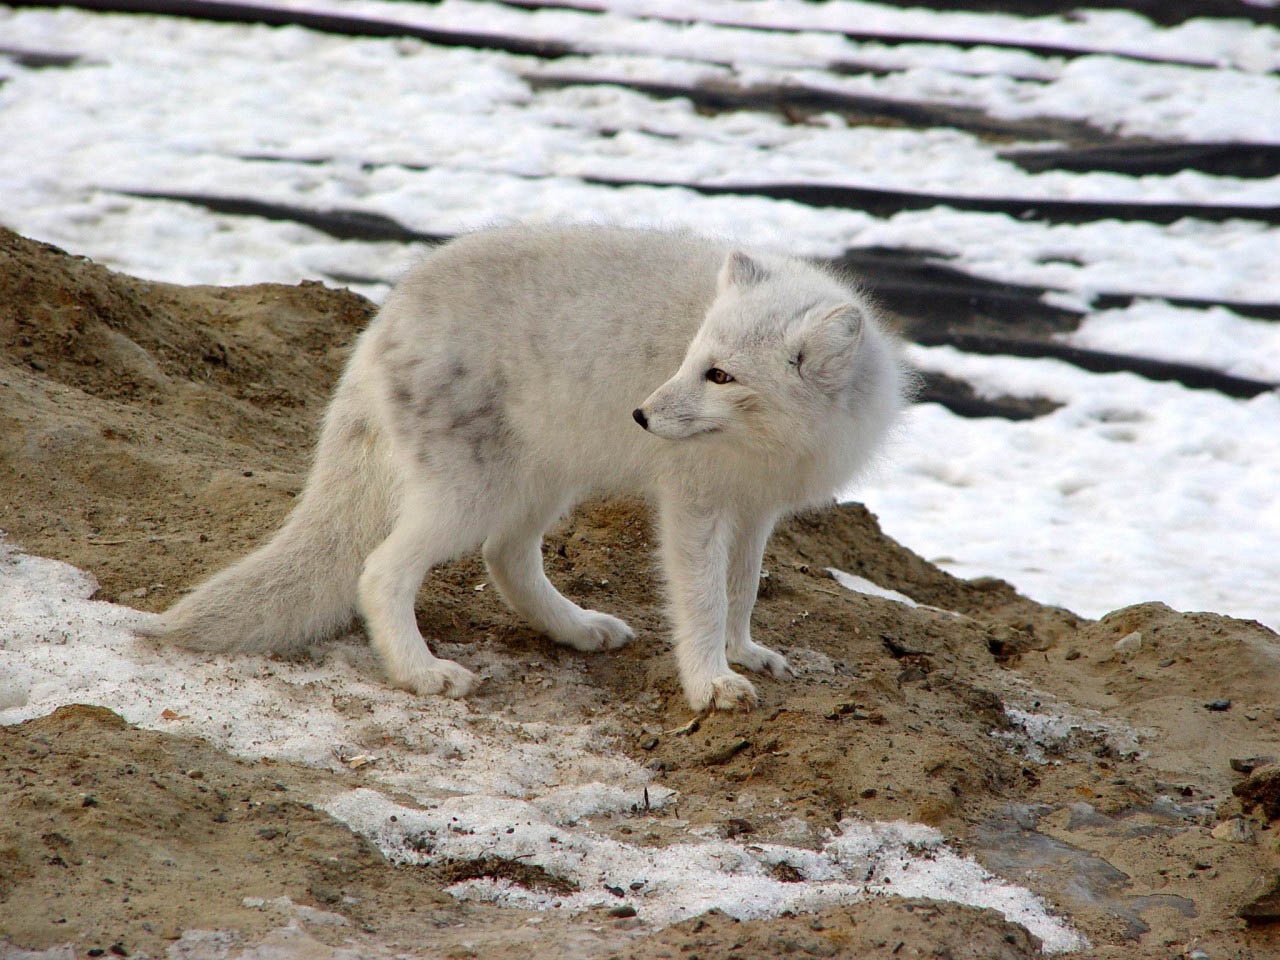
<point x="761" y="659"/>
<point x="595" y="631"/>
<point x="440" y="678"/>
<point x="729" y="691"/>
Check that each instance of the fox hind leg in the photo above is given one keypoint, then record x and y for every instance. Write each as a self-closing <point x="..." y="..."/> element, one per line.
<point x="513" y="555"/>
<point x="428" y="532"/>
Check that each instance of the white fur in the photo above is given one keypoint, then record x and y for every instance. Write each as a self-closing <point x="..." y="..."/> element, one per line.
<point x="505" y="380"/>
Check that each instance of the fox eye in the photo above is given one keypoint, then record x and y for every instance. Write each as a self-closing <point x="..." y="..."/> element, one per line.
<point x="716" y="375"/>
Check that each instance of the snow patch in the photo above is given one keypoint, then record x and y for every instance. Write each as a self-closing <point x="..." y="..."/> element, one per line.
<point x="672" y="883"/>
<point x="865" y="586"/>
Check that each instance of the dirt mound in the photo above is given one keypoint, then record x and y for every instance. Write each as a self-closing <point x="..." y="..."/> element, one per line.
<point x="151" y="433"/>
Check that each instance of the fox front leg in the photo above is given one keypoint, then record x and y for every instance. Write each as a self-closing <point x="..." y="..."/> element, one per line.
<point x="697" y="541"/>
<point x="745" y="556"/>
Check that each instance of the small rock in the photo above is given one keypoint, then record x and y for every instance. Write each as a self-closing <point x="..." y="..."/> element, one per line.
<point x="1249" y="764"/>
<point x="1264" y="909"/>
<point x="195" y="774"/>
<point x="325" y="893"/>
<point x="623" y="911"/>
<point x="726" y="753"/>
<point x="1261" y="789"/>
<point x="1128" y="645"/>
<point x="1235" y="830"/>
<point x="648" y="743"/>
<point x="1168" y="662"/>
<point x="268" y="833"/>
<point x="1218" y="706"/>
<point x="1072" y="655"/>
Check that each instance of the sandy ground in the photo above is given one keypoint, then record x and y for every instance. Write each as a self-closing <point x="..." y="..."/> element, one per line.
<point x="151" y="433"/>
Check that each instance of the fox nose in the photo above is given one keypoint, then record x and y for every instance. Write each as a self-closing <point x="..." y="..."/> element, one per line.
<point x="638" y="416"/>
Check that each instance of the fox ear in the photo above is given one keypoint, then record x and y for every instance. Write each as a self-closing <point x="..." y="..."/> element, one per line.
<point x="828" y="345"/>
<point x="739" y="270"/>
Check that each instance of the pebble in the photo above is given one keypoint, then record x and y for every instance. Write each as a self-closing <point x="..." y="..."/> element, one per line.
<point x="1129" y="644"/>
<point x="1218" y="706"/>
<point x="622" y="912"/>
<point x="1249" y="764"/>
<point x="1235" y="830"/>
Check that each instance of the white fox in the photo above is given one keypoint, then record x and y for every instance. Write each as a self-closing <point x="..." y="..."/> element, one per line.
<point x="516" y="372"/>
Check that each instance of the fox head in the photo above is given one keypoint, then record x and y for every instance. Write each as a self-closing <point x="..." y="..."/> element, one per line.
<point x="779" y="352"/>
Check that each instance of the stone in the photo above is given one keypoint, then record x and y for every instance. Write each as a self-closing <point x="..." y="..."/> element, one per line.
<point x="1234" y="830"/>
<point x="1128" y="645"/>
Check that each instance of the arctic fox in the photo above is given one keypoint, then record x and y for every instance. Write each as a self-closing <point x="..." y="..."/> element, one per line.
<point x="517" y="371"/>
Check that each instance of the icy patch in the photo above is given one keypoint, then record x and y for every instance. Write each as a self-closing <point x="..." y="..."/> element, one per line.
<point x="669" y="884"/>
<point x="58" y="647"/>
<point x="1045" y="732"/>
<point x="863" y="585"/>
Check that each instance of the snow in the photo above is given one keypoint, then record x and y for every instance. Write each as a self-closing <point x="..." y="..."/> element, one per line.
<point x="864" y="586"/>
<point x="1131" y="491"/>
<point x="485" y="784"/>
<point x="672" y="883"/>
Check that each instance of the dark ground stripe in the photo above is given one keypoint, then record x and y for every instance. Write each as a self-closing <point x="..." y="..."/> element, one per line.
<point x="885" y="203"/>
<point x="337" y="223"/>
<point x="1248" y="160"/>
<point x="1097" y="361"/>
<point x="881" y="202"/>
<point x="797" y="102"/>
<point x="919" y="285"/>
<point x="961" y="399"/>
<point x="38" y="59"/>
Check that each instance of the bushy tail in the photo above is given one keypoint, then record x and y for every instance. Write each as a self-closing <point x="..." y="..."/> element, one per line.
<point x="301" y="586"/>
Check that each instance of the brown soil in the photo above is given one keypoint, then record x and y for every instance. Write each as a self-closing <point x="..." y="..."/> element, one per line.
<point x="152" y="433"/>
